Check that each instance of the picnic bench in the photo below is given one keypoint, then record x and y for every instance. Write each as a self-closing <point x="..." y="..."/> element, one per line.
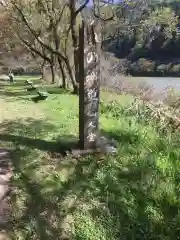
<point x="41" y="95"/>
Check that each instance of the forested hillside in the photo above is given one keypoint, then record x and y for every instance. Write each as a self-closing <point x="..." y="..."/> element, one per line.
<point x="146" y="38"/>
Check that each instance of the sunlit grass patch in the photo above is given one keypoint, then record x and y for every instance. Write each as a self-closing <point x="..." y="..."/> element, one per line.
<point x="132" y="195"/>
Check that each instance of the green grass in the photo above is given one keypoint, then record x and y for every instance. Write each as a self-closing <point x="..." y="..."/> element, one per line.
<point x="131" y="196"/>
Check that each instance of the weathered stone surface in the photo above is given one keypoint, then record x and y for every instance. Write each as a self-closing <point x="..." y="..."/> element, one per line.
<point x="107" y="145"/>
<point x="89" y="87"/>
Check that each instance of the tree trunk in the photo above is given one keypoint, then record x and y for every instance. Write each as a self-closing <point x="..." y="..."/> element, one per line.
<point x="62" y="73"/>
<point x="42" y="73"/>
<point x="42" y="69"/>
<point x="76" y="59"/>
<point x="52" y="73"/>
<point x="74" y="83"/>
<point x="74" y="38"/>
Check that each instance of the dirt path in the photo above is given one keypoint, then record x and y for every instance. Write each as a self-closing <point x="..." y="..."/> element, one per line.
<point x="5" y="175"/>
<point x="11" y="110"/>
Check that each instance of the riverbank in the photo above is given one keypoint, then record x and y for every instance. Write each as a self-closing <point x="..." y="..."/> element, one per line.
<point x="155" y="88"/>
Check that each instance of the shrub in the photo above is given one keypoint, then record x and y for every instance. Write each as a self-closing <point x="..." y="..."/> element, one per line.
<point x="4" y="70"/>
<point x="142" y="66"/>
<point x="172" y="98"/>
<point x="146" y="66"/>
<point x="33" y="69"/>
<point x="18" y="70"/>
<point x="163" y="68"/>
<point x="175" y="69"/>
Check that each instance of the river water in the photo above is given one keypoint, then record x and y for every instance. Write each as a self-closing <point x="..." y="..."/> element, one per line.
<point x="160" y="84"/>
<point x="157" y="87"/>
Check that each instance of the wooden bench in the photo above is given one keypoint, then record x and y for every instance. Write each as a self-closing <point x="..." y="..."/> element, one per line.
<point x="42" y="95"/>
<point x="32" y="88"/>
<point x="29" y="82"/>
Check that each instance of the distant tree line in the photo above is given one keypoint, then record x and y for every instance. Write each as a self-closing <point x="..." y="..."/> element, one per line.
<point x="150" y="42"/>
<point x="44" y="34"/>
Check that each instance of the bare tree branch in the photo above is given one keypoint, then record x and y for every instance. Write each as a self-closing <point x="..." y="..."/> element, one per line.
<point x="81" y="7"/>
<point x="37" y="35"/>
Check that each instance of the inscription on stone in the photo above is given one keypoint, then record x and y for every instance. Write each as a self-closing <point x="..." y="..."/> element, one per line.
<point x="89" y="85"/>
<point x="89" y="89"/>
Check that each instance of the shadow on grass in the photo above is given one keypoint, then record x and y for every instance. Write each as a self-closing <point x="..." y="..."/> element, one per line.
<point x="56" y="90"/>
<point x="30" y="133"/>
<point x="15" y="93"/>
<point x="25" y="91"/>
<point x="122" y="197"/>
<point x="37" y="99"/>
<point x="19" y="83"/>
<point x="49" y="146"/>
<point x="120" y="205"/>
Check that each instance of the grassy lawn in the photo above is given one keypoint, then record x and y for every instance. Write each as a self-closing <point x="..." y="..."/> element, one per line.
<point x="131" y="196"/>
